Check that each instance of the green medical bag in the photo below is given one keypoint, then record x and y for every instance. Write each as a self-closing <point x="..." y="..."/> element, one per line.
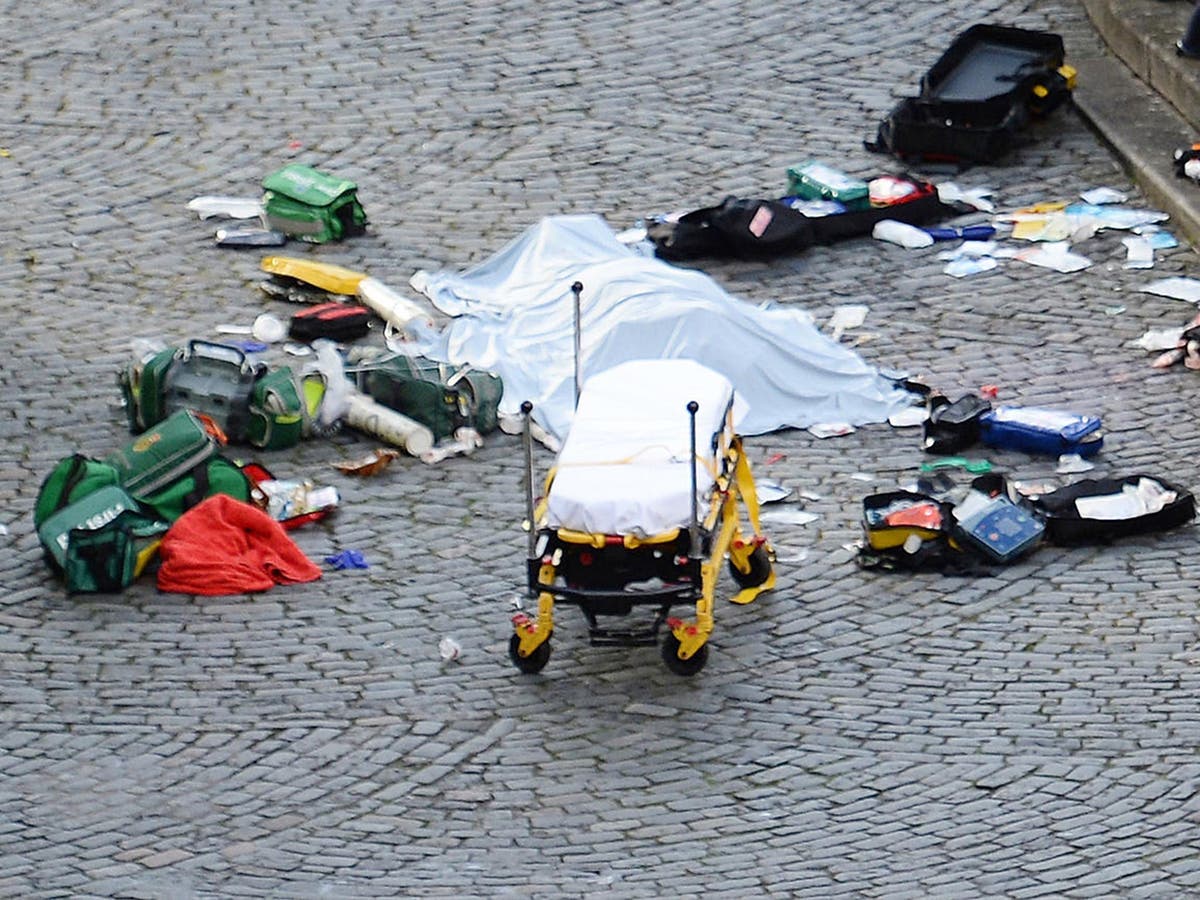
<point x="312" y="206"/>
<point x="440" y="396"/>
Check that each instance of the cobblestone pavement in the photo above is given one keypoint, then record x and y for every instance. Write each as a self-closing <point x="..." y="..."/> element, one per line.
<point x="1030" y="734"/>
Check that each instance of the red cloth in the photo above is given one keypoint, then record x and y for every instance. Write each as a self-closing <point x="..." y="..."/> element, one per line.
<point x="224" y="546"/>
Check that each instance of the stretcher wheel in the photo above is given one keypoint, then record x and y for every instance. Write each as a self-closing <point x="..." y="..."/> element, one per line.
<point x="535" y="661"/>
<point x="684" y="667"/>
<point x="760" y="568"/>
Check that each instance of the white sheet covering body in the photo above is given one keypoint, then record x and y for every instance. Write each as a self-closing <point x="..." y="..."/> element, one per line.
<point x="624" y="466"/>
<point x="514" y="315"/>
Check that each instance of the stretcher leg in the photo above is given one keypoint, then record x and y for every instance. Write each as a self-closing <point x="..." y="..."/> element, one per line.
<point x="529" y="646"/>
<point x="751" y="561"/>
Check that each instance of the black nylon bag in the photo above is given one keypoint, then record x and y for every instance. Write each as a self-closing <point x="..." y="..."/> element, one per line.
<point x="952" y="427"/>
<point x="736" y="227"/>
<point x="1065" y="526"/>
<point x="335" y="321"/>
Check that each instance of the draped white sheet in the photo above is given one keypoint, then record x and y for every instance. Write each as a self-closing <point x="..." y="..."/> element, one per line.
<point x="513" y="314"/>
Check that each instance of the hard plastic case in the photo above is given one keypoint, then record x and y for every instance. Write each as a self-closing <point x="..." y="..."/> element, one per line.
<point x="1037" y="430"/>
<point x="1000" y="530"/>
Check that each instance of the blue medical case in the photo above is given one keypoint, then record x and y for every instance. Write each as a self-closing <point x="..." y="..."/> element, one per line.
<point x="1038" y="430"/>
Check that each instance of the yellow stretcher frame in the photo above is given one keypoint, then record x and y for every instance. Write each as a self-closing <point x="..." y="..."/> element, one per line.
<point x="685" y="651"/>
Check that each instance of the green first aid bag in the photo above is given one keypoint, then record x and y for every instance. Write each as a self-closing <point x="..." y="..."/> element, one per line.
<point x="72" y="478"/>
<point x="441" y="397"/>
<point x="102" y="541"/>
<point x="312" y="206"/>
<point x="278" y="413"/>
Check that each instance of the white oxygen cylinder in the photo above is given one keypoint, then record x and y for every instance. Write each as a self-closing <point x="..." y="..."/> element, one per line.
<point x="387" y="304"/>
<point x="388" y="425"/>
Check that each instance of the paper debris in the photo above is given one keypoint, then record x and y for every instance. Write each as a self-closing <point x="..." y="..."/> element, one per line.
<point x="960" y="268"/>
<point x="831" y="429"/>
<point x="1139" y="254"/>
<point x="371" y="464"/>
<point x="1055" y="255"/>
<point x="1101" y="195"/>
<point x="1159" y="339"/>
<point x="231" y="207"/>
<point x="1176" y="287"/>
<point x="788" y="517"/>
<point x="852" y="315"/>
<point x="908" y="417"/>
<point x="771" y="491"/>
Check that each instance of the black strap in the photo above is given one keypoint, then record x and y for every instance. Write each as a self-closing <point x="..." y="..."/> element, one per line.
<point x="200" y="474"/>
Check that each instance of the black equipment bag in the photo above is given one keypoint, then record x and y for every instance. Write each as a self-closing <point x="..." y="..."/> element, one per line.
<point x="1066" y="526"/>
<point x="743" y="227"/>
<point x="735" y="227"/>
<point x="978" y="97"/>
<point x="952" y="427"/>
<point x="335" y="321"/>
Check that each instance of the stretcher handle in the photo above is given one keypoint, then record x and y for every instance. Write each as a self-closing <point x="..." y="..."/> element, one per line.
<point x="527" y="441"/>
<point x="694" y="524"/>
<point x="577" y="290"/>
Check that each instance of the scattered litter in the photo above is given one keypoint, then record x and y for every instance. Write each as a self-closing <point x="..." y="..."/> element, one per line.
<point x="298" y="349"/>
<point x="235" y="329"/>
<point x="1139" y="254"/>
<point x="949" y="192"/>
<point x="1034" y="488"/>
<point x="798" y="557"/>
<point x="1114" y="310"/>
<point x="1042" y="227"/>
<point x="250" y="234"/>
<point x="1159" y="339"/>
<point x="249" y="346"/>
<point x="1055" y="255"/>
<point x="901" y="234"/>
<point x="774" y="458"/>
<point x="269" y="328"/>
<point x="810" y="495"/>
<point x="1102" y="195"/>
<point x="1119" y="217"/>
<point x="634" y="235"/>
<point x="771" y="491"/>
<point x="229" y="207"/>
<point x="1159" y="240"/>
<point x="961" y="268"/>
<point x="969" y="249"/>
<point x="862" y="476"/>
<point x="974" y="466"/>
<point x="515" y="603"/>
<point x="967" y="233"/>
<point x="788" y="516"/>
<point x="466" y="441"/>
<point x="830" y="429"/>
<point x="291" y="501"/>
<point x="449" y="648"/>
<point x="347" y="559"/>
<point x="851" y="315"/>
<point x="3" y="530"/>
<point x="909" y="416"/>
<point x="371" y="464"/>
<point x="990" y="391"/>
<point x="1176" y="287"/>
<point x="1072" y="463"/>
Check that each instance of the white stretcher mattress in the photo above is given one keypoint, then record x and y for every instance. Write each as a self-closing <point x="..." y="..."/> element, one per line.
<point x="623" y="468"/>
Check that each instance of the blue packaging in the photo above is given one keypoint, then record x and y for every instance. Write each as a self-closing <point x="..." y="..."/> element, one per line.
<point x="1036" y="430"/>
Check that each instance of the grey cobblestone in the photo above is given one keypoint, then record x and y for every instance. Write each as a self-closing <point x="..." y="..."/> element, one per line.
<point x="854" y="735"/>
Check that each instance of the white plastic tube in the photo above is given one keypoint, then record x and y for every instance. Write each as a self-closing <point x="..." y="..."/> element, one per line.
<point x="388" y="425"/>
<point x="387" y="304"/>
